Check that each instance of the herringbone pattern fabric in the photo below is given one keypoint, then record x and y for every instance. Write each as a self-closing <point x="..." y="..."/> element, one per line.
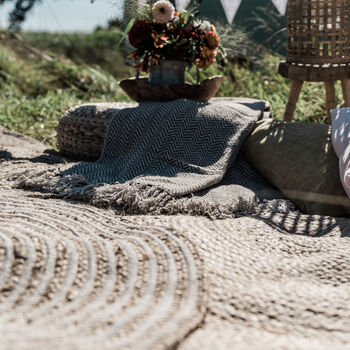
<point x="174" y="157"/>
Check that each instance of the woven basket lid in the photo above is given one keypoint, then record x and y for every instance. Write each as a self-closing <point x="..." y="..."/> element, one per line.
<point x="318" y="32"/>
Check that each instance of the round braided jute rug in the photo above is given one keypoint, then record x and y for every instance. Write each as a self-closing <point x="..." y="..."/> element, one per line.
<point x="74" y="277"/>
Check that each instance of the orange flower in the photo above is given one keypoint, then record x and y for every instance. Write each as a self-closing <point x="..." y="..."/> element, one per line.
<point x="206" y="52"/>
<point x="159" y="39"/>
<point x="212" y="40"/>
<point x="201" y="63"/>
<point x="206" y="59"/>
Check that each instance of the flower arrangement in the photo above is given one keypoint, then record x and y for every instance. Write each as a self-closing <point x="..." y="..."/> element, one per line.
<point x="162" y="33"/>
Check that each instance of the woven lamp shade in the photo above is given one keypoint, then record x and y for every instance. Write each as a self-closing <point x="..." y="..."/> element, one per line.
<point x="318" y="32"/>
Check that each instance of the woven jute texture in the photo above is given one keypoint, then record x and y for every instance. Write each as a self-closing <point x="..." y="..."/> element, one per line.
<point x="81" y="134"/>
<point x="78" y="277"/>
<point x="318" y="31"/>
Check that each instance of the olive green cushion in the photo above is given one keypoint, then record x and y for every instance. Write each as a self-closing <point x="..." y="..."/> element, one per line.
<point x="299" y="160"/>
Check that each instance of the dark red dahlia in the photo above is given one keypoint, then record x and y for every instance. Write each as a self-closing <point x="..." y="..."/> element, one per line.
<point x="141" y="33"/>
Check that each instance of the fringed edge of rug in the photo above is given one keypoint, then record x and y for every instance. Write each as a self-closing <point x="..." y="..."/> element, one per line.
<point x="127" y="198"/>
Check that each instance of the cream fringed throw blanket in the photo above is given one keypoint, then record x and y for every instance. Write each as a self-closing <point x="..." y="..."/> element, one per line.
<point x="167" y="158"/>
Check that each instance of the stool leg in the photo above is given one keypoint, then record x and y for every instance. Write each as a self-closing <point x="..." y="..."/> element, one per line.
<point x="331" y="100"/>
<point x="346" y="91"/>
<point x="292" y="99"/>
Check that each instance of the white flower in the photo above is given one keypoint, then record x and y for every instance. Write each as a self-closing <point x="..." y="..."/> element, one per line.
<point x="163" y="11"/>
<point x="206" y="26"/>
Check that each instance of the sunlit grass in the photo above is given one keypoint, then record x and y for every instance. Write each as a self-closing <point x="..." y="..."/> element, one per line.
<point x="35" y="92"/>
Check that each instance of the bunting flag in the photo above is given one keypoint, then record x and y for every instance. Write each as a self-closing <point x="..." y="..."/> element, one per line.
<point x="231" y="6"/>
<point x="181" y="4"/>
<point x="281" y="6"/>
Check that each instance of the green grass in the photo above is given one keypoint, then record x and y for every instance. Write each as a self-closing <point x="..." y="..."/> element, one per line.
<point x="38" y="82"/>
<point x="34" y="92"/>
<point x="99" y="48"/>
<point x="263" y="82"/>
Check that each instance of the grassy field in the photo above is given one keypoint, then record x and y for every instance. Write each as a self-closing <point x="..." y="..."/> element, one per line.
<point x="42" y="75"/>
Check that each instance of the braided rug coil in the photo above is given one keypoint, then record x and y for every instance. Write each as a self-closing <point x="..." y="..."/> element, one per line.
<point x="78" y="277"/>
<point x="73" y="278"/>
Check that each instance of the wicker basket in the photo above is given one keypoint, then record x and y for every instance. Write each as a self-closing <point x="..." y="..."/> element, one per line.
<point x="318" y="32"/>
<point x="82" y="129"/>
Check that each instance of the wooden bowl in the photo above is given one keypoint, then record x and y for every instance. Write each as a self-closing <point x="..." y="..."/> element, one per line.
<point x="141" y="90"/>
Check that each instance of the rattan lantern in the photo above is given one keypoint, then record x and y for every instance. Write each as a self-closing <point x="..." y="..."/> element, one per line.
<point x="318" y="48"/>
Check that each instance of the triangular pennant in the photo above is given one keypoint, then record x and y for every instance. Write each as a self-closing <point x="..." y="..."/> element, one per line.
<point x="281" y="6"/>
<point x="181" y="4"/>
<point x="230" y="8"/>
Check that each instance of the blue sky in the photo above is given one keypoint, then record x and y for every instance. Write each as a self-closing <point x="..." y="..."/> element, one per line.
<point x="66" y="15"/>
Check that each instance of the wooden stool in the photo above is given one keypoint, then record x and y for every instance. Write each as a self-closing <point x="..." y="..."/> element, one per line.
<point x="318" y="49"/>
<point x="329" y="75"/>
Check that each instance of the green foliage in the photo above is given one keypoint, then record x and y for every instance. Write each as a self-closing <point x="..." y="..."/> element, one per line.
<point x="127" y="30"/>
<point x="99" y="48"/>
<point x="260" y="19"/>
<point x="36" y="88"/>
<point x="238" y="45"/>
<point x="266" y="22"/>
<point x="263" y="82"/>
<point x="34" y="92"/>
